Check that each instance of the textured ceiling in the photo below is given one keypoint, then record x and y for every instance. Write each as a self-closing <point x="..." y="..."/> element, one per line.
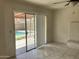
<point x="48" y="3"/>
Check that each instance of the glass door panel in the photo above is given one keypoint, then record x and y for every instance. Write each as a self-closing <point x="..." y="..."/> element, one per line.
<point x="30" y="31"/>
<point x="20" y="34"/>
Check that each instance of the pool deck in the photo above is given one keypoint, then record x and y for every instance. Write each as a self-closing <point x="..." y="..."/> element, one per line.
<point x="22" y="43"/>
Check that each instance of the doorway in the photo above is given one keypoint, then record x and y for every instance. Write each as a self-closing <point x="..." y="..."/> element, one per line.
<point x="25" y="32"/>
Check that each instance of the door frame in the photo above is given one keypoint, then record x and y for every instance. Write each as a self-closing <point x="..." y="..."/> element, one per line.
<point x="25" y="29"/>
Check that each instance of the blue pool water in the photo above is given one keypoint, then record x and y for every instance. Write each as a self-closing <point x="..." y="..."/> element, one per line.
<point x="19" y="33"/>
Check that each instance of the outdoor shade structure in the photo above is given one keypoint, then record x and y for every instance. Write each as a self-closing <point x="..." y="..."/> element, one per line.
<point x="25" y="32"/>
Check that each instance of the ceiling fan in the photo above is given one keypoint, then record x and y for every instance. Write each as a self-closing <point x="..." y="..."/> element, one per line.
<point x="74" y="2"/>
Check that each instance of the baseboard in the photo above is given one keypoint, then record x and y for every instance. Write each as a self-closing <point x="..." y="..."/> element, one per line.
<point x="11" y="57"/>
<point x="4" y="57"/>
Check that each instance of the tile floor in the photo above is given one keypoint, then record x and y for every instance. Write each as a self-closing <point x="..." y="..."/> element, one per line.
<point x="51" y="51"/>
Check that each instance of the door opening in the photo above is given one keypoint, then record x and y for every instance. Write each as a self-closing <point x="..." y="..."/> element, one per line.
<point x="25" y="32"/>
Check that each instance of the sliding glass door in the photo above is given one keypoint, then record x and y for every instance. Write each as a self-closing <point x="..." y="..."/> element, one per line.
<point x="31" y="31"/>
<point x="25" y="32"/>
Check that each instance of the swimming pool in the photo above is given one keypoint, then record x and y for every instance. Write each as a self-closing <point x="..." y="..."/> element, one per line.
<point x="19" y="34"/>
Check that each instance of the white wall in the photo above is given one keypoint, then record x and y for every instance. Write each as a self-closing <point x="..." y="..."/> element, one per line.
<point x="62" y="23"/>
<point x="2" y="32"/>
<point x="50" y="26"/>
<point x="7" y="38"/>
